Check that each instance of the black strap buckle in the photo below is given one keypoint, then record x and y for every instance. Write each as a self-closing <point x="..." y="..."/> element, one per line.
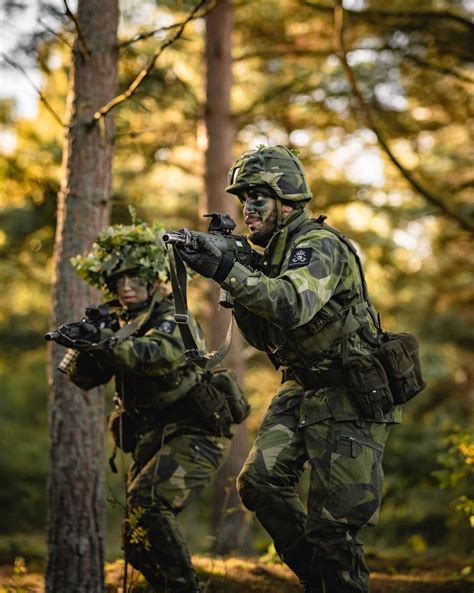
<point x="181" y="317"/>
<point x="192" y="354"/>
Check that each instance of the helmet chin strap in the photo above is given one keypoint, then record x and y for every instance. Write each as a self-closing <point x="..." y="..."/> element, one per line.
<point x="280" y="214"/>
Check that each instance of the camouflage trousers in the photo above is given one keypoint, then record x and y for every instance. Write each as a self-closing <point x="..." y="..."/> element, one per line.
<point x="168" y="473"/>
<point x="320" y="544"/>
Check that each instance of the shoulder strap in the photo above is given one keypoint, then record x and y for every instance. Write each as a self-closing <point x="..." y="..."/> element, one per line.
<point x="319" y="223"/>
<point x="179" y="281"/>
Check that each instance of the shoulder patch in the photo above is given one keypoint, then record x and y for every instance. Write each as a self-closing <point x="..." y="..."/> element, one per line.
<point x="167" y="326"/>
<point x="299" y="257"/>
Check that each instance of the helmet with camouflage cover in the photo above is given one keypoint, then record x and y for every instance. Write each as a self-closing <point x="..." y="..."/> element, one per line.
<point x="276" y="167"/>
<point x="121" y="248"/>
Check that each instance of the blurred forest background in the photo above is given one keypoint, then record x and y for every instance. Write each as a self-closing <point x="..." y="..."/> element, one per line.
<point x="384" y="130"/>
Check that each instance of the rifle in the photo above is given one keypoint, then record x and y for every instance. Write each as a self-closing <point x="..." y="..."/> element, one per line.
<point x="75" y="336"/>
<point x="219" y="234"/>
<point x="234" y="247"/>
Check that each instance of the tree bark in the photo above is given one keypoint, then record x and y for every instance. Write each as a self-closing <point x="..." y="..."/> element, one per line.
<point x="228" y="516"/>
<point x="76" y="423"/>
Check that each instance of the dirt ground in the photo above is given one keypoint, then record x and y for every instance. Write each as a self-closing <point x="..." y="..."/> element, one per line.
<point x="236" y="575"/>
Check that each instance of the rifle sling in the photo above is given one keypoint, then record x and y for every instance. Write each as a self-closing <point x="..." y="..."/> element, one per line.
<point x="179" y="281"/>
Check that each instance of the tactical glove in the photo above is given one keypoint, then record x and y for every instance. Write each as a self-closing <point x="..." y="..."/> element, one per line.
<point x="206" y="259"/>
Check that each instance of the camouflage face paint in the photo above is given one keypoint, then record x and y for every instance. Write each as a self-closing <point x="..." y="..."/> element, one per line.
<point x="260" y="216"/>
<point x="131" y="289"/>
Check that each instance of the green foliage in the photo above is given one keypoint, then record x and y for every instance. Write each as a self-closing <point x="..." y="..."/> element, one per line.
<point x="289" y="88"/>
<point x="125" y="247"/>
<point x="139" y="535"/>
<point x="457" y="475"/>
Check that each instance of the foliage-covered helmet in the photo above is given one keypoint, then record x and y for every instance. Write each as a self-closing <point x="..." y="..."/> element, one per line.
<point x="276" y="167"/>
<point x="120" y="248"/>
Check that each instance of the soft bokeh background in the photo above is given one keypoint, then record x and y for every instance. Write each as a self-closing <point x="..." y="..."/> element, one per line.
<point x="414" y="68"/>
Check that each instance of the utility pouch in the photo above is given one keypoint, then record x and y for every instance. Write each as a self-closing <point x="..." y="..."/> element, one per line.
<point x="124" y="428"/>
<point x="226" y="381"/>
<point x="368" y="385"/>
<point x="210" y="406"/>
<point x="399" y="355"/>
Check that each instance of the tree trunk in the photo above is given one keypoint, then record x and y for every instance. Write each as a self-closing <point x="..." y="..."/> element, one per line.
<point x="228" y="516"/>
<point x="75" y="488"/>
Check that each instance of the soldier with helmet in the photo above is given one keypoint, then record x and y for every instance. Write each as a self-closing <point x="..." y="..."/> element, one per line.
<point x="175" y="451"/>
<point x="308" y="308"/>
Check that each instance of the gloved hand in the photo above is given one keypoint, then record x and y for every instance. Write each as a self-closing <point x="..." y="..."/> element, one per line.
<point x="85" y="331"/>
<point x="206" y="259"/>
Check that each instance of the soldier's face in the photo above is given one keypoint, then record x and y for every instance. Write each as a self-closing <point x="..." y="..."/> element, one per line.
<point x="260" y="215"/>
<point x="131" y="288"/>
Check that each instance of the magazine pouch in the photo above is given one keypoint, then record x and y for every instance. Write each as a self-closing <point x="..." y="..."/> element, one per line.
<point x="226" y="381"/>
<point x="369" y="388"/>
<point x="124" y="428"/>
<point x="209" y="406"/>
<point x="399" y="355"/>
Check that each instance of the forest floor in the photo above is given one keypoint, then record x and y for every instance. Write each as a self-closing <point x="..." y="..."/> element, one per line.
<point x="234" y="575"/>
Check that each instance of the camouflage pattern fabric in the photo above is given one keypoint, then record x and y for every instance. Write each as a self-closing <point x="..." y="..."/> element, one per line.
<point x="174" y="459"/>
<point x="150" y="368"/>
<point x="298" y="309"/>
<point x="275" y="167"/>
<point x="306" y="310"/>
<point x="159" y="487"/>
<point x="321" y="544"/>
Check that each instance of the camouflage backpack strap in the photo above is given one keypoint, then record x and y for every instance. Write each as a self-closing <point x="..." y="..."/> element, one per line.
<point x="319" y="223"/>
<point x="130" y="328"/>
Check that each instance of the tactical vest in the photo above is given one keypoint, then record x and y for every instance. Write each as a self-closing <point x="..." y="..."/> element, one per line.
<point x="307" y="346"/>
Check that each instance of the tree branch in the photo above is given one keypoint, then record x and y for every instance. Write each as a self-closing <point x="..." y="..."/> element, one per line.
<point x="147" y="34"/>
<point x="55" y="33"/>
<point x="406" y="14"/>
<point x="40" y="94"/>
<point x="146" y="71"/>
<point x="440" y="69"/>
<point x="338" y="39"/>
<point x="81" y="41"/>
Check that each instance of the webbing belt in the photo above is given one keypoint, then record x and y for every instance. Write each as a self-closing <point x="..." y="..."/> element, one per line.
<point x="179" y="282"/>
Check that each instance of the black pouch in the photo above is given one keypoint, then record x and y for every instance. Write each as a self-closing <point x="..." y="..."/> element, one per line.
<point x="211" y="408"/>
<point x="124" y="428"/>
<point x="226" y="381"/>
<point x="369" y="388"/>
<point x="399" y="355"/>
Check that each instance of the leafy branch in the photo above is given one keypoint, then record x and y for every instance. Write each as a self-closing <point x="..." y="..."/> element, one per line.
<point x="341" y="52"/>
<point x="146" y="71"/>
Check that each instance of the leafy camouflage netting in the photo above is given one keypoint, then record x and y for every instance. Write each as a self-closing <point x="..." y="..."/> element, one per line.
<point x="125" y="247"/>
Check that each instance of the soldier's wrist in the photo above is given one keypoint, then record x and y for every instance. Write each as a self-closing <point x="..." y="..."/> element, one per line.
<point x="223" y="269"/>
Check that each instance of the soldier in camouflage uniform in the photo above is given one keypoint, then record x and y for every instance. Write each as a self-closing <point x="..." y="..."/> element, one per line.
<point x="307" y="307"/>
<point x="174" y="458"/>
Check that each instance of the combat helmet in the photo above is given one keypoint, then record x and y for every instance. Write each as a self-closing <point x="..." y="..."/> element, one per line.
<point x="276" y="167"/>
<point x="121" y="248"/>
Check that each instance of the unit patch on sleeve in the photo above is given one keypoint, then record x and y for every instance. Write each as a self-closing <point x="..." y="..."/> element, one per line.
<point x="299" y="257"/>
<point x="167" y="326"/>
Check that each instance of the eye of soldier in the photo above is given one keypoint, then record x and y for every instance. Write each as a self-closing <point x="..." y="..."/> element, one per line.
<point x="134" y="280"/>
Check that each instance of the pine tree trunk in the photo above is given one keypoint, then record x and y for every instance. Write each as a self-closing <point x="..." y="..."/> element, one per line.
<point x="229" y="527"/>
<point x="75" y="488"/>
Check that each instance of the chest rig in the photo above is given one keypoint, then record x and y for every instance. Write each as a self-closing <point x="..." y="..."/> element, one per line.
<point x="337" y="321"/>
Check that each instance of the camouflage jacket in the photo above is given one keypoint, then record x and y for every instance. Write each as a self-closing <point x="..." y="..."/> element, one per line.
<point x="306" y="309"/>
<point x="150" y="370"/>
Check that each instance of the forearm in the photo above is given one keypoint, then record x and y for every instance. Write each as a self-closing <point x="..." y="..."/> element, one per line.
<point x="285" y="300"/>
<point x="149" y="356"/>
